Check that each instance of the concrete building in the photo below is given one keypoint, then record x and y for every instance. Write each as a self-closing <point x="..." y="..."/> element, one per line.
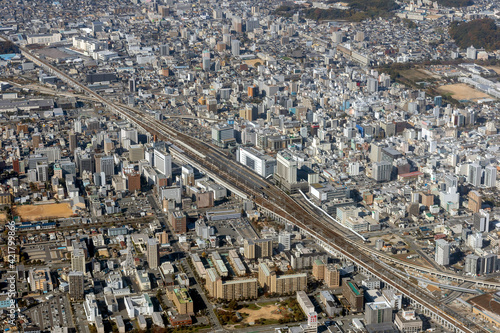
<point x="283" y="284"/>
<point x="305" y="303"/>
<point x="138" y="305"/>
<point x="229" y="290"/>
<point x="153" y="254"/>
<point x="75" y="281"/>
<point x="286" y="168"/>
<point x="381" y="171"/>
<point x="178" y="221"/>
<point x="259" y="248"/>
<point x="407" y="322"/>
<point x="442" y="256"/>
<point x="378" y="312"/>
<point x="162" y="161"/>
<point x="353" y="294"/>
<point x="181" y="299"/>
<point x="260" y="163"/>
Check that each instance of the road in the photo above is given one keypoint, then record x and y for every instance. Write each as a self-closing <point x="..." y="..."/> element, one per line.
<point x="219" y="165"/>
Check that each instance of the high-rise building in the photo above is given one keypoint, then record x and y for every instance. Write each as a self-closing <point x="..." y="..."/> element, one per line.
<point x="235" y="48"/>
<point x="482" y="221"/>
<point x="72" y="141"/>
<point x="42" y="171"/>
<point x="78" y="260"/>
<point x="372" y="85"/>
<point x="376" y="152"/>
<point x="353" y="294"/>
<point x="163" y="162"/>
<point x="377" y="313"/>
<point x="489" y="263"/>
<point x="381" y="171"/>
<point x="178" y="221"/>
<point x="131" y="85"/>
<point x="130" y="134"/>
<point x="475" y="201"/>
<point x="490" y="176"/>
<point x="474" y="176"/>
<point x="229" y="290"/>
<point x="76" y="283"/>
<point x="107" y="165"/>
<point x="182" y="300"/>
<point x="281" y="285"/>
<point x="286" y="167"/>
<point x="77" y="125"/>
<point x="164" y="50"/>
<point x="284" y="241"/>
<point x="259" y="248"/>
<point x="262" y="164"/>
<point x="237" y="24"/>
<point x="206" y="64"/>
<point x="332" y="276"/>
<point x="36" y="140"/>
<point x="442" y="256"/>
<point x="153" y="253"/>
<point x="136" y="153"/>
<point x="221" y="134"/>
<point x="472" y="264"/>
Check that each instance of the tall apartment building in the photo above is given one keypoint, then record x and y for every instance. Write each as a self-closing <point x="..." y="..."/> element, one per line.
<point x="182" y="300"/>
<point x="475" y="201"/>
<point x="442" y="256"/>
<point x="328" y="273"/>
<point x="318" y="269"/>
<point x="229" y="290"/>
<point x="259" y="248"/>
<point x="353" y="294"/>
<point x="283" y="284"/>
<point x="153" y="253"/>
<point x="76" y="283"/>
<point x="78" y="260"/>
<point x="490" y="176"/>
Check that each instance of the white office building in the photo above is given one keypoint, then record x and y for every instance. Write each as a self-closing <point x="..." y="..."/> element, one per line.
<point x="138" y="305"/>
<point x="260" y="163"/>
<point x="163" y="162"/>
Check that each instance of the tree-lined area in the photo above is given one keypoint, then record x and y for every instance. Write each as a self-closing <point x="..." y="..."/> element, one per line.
<point x="358" y="11"/>
<point x="8" y="47"/>
<point x="482" y="33"/>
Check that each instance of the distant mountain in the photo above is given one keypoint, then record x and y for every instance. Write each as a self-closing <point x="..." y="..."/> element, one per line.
<point x="482" y="33"/>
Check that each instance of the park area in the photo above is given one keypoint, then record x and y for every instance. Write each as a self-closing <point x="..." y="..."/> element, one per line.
<point x="43" y="212"/>
<point x="461" y="91"/>
<point x="268" y="313"/>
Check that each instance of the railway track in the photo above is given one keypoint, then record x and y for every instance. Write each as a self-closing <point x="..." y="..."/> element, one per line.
<point x="214" y="160"/>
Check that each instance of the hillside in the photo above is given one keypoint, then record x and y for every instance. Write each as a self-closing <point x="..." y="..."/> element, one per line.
<point x="455" y="3"/>
<point x="358" y="11"/>
<point x="481" y="33"/>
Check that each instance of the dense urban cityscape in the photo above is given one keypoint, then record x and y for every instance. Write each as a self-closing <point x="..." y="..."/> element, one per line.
<point x="249" y="166"/>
